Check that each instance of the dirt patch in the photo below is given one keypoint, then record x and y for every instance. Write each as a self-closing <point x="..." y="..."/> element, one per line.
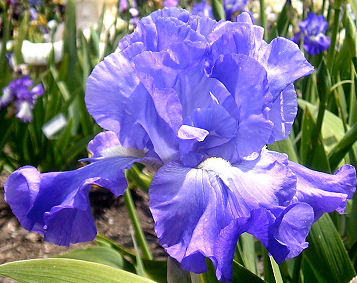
<point x="110" y="216"/>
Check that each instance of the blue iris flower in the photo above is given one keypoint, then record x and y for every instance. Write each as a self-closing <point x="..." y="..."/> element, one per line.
<point x="230" y="8"/>
<point x="196" y="101"/>
<point x="24" y="95"/>
<point x="312" y="31"/>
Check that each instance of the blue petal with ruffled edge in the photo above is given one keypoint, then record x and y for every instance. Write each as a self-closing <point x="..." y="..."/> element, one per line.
<point x="56" y="204"/>
<point x="324" y="192"/>
<point x="225" y="201"/>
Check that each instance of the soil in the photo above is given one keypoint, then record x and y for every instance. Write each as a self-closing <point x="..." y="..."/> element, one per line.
<point x="111" y="218"/>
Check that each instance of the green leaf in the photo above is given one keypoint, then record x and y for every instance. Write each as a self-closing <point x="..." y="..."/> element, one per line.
<point x="241" y="274"/>
<point x="319" y="161"/>
<point x="344" y="145"/>
<point x="139" y="263"/>
<point x="276" y="270"/>
<point x="285" y="146"/>
<point x="102" y="255"/>
<point x="155" y="269"/>
<point x="66" y="270"/>
<point x="353" y="99"/>
<point x="70" y="45"/>
<point x="175" y="274"/>
<point x="21" y="35"/>
<point x="246" y="252"/>
<point x="326" y="254"/>
<point x="353" y="221"/>
<point x="218" y="10"/>
<point x="332" y="127"/>
<point x="354" y="7"/>
<point x="349" y="46"/>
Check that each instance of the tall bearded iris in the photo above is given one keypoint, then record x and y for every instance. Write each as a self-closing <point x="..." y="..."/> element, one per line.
<point x="24" y="95"/>
<point x="198" y="100"/>
<point x="312" y="31"/>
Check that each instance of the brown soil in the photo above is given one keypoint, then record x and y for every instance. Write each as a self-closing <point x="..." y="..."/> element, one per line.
<point x="110" y="216"/>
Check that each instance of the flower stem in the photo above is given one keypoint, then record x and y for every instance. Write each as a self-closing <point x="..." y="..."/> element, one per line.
<point x="263" y="20"/>
<point x="137" y="227"/>
<point x="336" y="21"/>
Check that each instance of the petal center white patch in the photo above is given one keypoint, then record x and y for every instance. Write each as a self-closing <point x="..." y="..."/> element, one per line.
<point x="216" y="164"/>
<point x="118" y="150"/>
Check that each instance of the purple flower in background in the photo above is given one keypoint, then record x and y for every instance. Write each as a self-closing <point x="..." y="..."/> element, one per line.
<point x="123" y="6"/>
<point x="33" y="14"/>
<point x="24" y="95"/>
<point x="197" y="101"/>
<point x="35" y="2"/>
<point x="312" y="31"/>
<point x="170" y="3"/>
<point x="233" y="6"/>
<point x="203" y="9"/>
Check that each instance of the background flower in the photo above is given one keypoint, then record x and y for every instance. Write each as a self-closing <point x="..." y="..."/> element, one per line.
<point x="312" y="32"/>
<point x="231" y="7"/>
<point x="24" y="95"/>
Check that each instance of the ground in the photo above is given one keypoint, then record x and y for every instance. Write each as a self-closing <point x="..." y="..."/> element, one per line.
<point x="110" y="216"/>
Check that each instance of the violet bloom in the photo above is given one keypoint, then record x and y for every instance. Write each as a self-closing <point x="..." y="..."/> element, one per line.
<point x="312" y="31"/>
<point x="35" y="2"/>
<point x="230" y="8"/>
<point x="23" y="94"/>
<point x="197" y="101"/>
<point x="170" y="3"/>
<point x="123" y="6"/>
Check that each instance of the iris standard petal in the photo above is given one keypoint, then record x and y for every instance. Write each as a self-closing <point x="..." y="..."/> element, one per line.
<point x="108" y="98"/>
<point x="284" y="63"/>
<point x="254" y="126"/>
<point x="120" y="103"/>
<point x="219" y="129"/>
<point x="324" y="192"/>
<point x="282" y="113"/>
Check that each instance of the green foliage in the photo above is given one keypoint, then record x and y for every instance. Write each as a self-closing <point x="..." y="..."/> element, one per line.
<point x="66" y="270"/>
<point x="327" y="255"/>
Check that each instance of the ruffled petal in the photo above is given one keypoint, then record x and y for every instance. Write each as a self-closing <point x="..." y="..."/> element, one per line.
<point x="252" y="102"/>
<point x="224" y="201"/>
<point x="284" y="63"/>
<point x="213" y="127"/>
<point x="161" y="29"/>
<point x="282" y="113"/>
<point x="265" y="182"/>
<point x="177" y="77"/>
<point x="282" y="231"/>
<point x="119" y="102"/>
<point x="109" y="92"/>
<point x="189" y="235"/>
<point x="324" y="192"/>
<point x="56" y="204"/>
<point x="106" y="144"/>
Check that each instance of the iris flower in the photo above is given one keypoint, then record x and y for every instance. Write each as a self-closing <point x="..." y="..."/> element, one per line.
<point x="312" y="31"/>
<point x="230" y="8"/>
<point x="196" y="101"/>
<point x="24" y="95"/>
